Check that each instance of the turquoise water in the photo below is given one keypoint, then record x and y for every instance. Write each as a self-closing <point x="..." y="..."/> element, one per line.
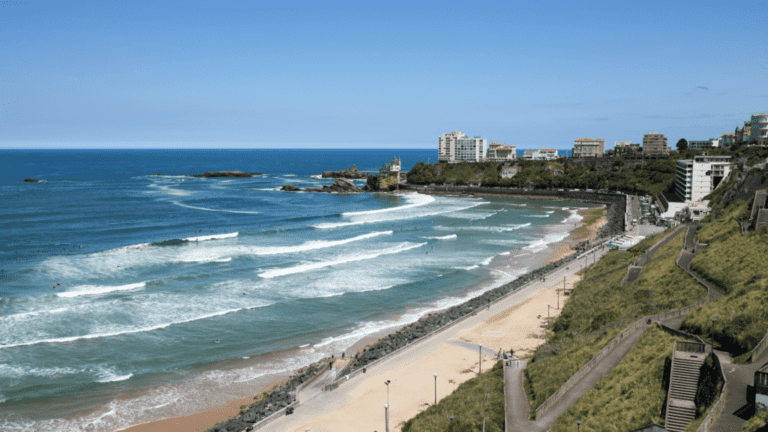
<point x="116" y="283"/>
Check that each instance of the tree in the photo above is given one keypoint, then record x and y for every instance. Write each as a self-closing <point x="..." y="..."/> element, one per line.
<point x="682" y="145"/>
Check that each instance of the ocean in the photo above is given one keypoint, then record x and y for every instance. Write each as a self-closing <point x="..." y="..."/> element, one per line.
<point x="130" y="292"/>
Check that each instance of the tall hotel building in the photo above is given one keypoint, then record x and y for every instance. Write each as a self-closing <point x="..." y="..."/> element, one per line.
<point x="655" y="144"/>
<point x="698" y="177"/>
<point x="458" y="147"/>
<point x="759" y="129"/>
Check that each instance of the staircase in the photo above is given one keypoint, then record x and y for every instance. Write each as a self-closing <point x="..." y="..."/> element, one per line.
<point x="687" y="359"/>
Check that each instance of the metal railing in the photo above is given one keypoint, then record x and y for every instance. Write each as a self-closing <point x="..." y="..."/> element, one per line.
<point x="641" y="323"/>
<point x="709" y="420"/>
<point x="694" y="347"/>
<point x="760" y="347"/>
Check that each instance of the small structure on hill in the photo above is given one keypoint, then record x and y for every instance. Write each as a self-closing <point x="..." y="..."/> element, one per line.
<point x="393" y="167"/>
<point x="758" y="218"/>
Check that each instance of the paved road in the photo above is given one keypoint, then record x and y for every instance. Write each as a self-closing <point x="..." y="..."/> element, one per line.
<point x="515" y="397"/>
<point x="736" y="411"/>
<point x="325" y="402"/>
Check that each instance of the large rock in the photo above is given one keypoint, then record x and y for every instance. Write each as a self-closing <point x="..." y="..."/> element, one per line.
<point x="351" y="173"/>
<point x="290" y="188"/>
<point x="339" y="185"/>
<point x="31" y="180"/>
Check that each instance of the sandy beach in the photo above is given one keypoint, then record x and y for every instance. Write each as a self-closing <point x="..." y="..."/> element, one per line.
<point x="510" y="324"/>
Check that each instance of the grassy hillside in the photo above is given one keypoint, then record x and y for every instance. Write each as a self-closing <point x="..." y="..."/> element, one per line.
<point x="600" y="308"/>
<point x="738" y="266"/>
<point x="476" y="399"/>
<point x="631" y="395"/>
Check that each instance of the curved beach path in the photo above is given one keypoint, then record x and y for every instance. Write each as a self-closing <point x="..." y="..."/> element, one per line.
<point x="452" y="353"/>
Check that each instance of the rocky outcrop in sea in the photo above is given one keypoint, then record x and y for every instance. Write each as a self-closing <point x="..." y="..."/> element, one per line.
<point x="351" y="173"/>
<point x="340" y="185"/>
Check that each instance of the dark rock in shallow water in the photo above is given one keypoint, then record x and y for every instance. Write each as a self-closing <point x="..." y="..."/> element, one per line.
<point x="339" y="185"/>
<point x="290" y="188"/>
<point x="31" y="180"/>
<point x="352" y="173"/>
<point x="225" y="174"/>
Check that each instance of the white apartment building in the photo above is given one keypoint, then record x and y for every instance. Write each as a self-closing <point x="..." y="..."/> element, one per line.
<point x="501" y="152"/>
<point x="458" y="147"/>
<point x="759" y="129"/>
<point x="698" y="177"/>
<point x="540" y="154"/>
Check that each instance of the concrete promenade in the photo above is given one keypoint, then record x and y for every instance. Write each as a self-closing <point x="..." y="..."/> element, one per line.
<point x="336" y="410"/>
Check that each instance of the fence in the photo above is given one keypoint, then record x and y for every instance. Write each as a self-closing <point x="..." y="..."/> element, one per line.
<point x="341" y="379"/>
<point x="641" y="323"/>
<point x="694" y="347"/>
<point x="709" y="420"/>
<point x="760" y="347"/>
<point x="283" y="412"/>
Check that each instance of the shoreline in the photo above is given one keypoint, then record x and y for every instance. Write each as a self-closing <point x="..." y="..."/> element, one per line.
<point x="207" y="419"/>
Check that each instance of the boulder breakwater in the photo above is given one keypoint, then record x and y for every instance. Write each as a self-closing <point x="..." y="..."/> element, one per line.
<point x="284" y="395"/>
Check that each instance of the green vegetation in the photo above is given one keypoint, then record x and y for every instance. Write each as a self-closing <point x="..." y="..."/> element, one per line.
<point x="653" y="177"/>
<point x="717" y="195"/>
<point x="631" y="395"/>
<point x="599" y="308"/>
<point x="757" y="422"/>
<point x="479" y="398"/>
<point x="682" y="145"/>
<point x="738" y="266"/>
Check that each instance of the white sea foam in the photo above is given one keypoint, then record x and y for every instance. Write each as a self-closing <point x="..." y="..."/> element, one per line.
<point x="505" y="253"/>
<point x="124" y="332"/>
<point x="215" y="210"/>
<point x="418" y="207"/>
<point x="212" y="237"/>
<point x="487" y="261"/>
<point x="503" y="228"/>
<point x="170" y="191"/>
<point x="549" y="211"/>
<point x="539" y="216"/>
<point x="447" y="237"/>
<point x="539" y="245"/>
<point x="17" y="371"/>
<point x="414" y="200"/>
<point x="574" y="217"/>
<point x="472" y="215"/>
<point x="83" y="290"/>
<point x="108" y="374"/>
<point x="349" y="259"/>
<point x="317" y="176"/>
<point x="313" y="245"/>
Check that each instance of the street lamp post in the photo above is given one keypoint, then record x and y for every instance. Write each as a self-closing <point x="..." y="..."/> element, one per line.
<point x="480" y="357"/>
<point x="387" y="383"/>
<point x="435" y="388"/>
<point x="578" y="425"/>
<point x="546" y="333"/>
<point x="386" y="417"/>
<point x="538" y="338"/>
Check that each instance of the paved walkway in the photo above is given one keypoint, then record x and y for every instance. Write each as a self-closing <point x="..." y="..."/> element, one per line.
<point x="325" y="402"/>
<point x="736" y="411"/>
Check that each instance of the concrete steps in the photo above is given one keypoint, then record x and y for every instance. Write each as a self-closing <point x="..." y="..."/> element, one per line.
<point x="683" y="382"/>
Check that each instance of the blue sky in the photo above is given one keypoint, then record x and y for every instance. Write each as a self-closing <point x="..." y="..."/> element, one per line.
<point x="375" y="74"/>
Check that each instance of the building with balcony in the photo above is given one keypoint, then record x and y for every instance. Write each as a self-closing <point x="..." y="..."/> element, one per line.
<point x="701" y="145"/>
<point x="501" y="152"/>
<point x="655" y="144"/>
<point x="698" y="177"/>
<point x="458" y="147"/>
<point x="626" y="147"/>
<point x="588" y="147"/>
<point x="759" y="129"/>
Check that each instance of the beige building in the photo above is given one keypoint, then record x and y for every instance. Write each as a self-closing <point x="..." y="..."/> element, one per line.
<point x="500" y="152"/>
<point x="588" y="147"/>
<point x="655" y="144"/>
